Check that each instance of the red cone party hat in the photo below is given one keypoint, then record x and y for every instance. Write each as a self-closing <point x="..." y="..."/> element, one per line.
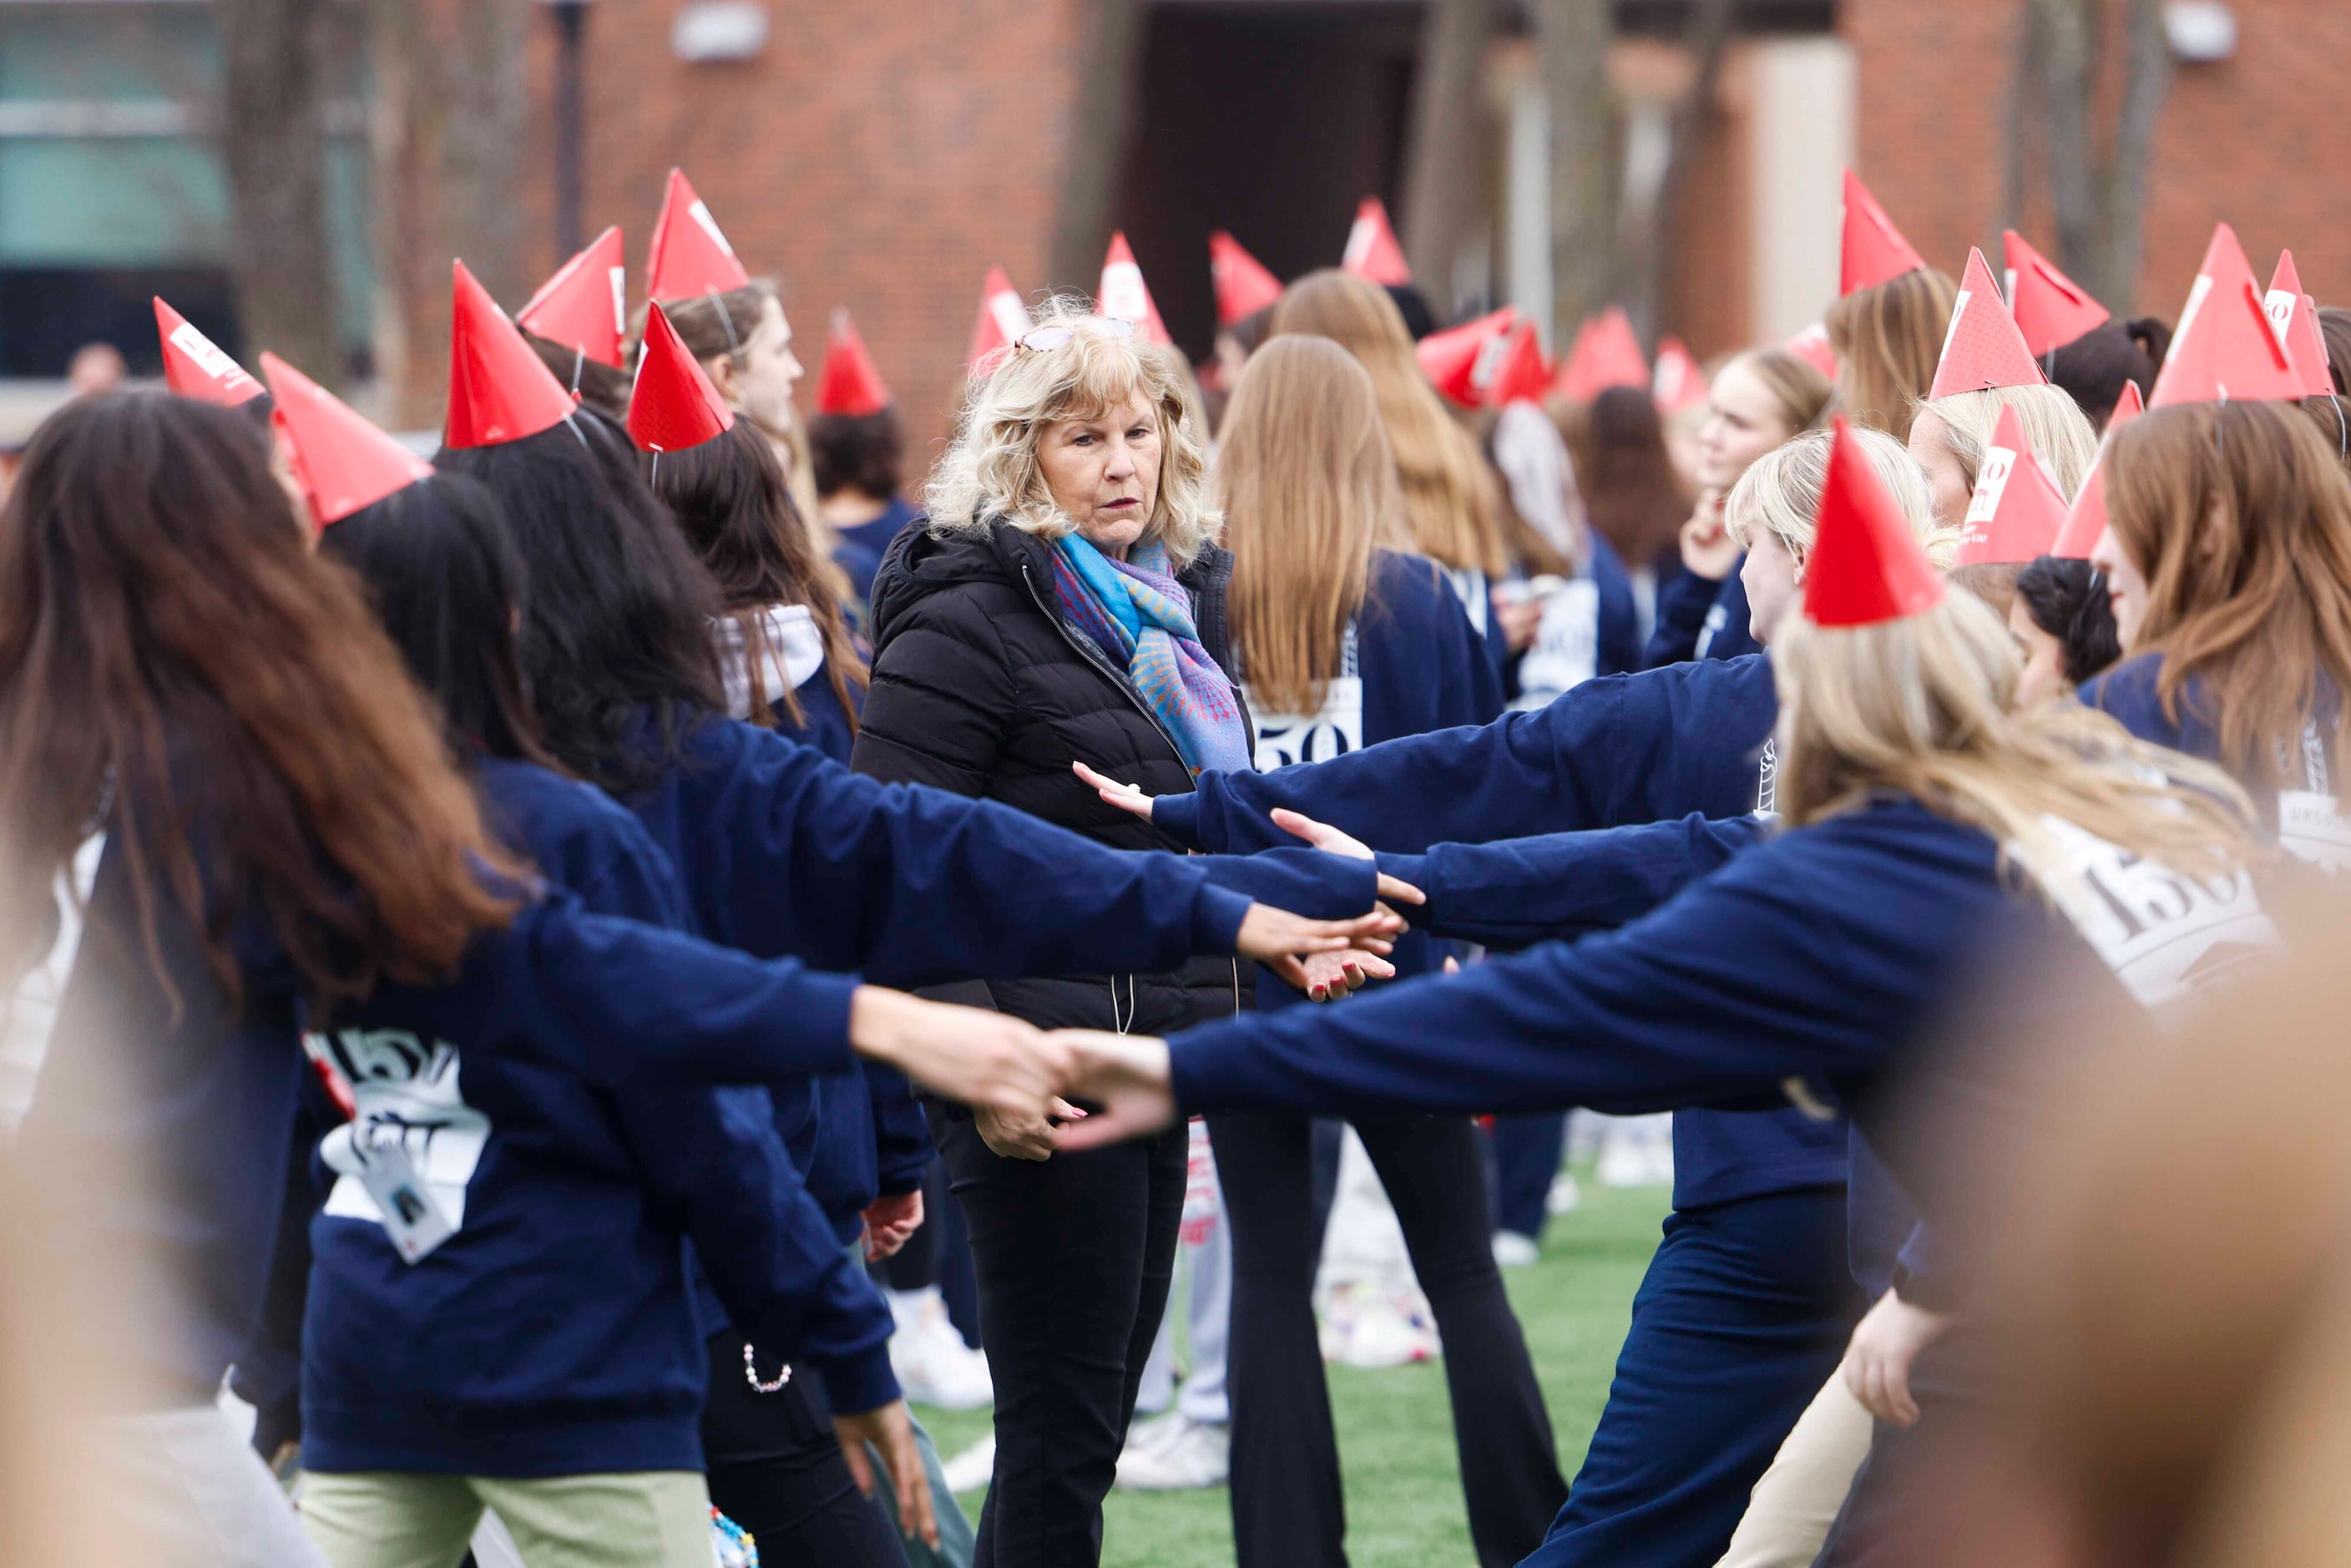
<point x="673" y="405"/>
<point x="2293" y="315"/>
<point x="1244" y="286"/>
<point x="1982" y="350"/>
<point x="1606" y="353"/>
<point x="1811" y="346"/>
<point x="1124" y="295"/>
<point x="2088" y="520"/>
<point x="2051" y="308"/>
<point x="1462" y="361"/>
<point x="341" y="461"/>
<point x="689" y="255"/>
<point x="1866" y="566"/>
<point x="1676" y="383"/>
<point x="1523" y="377"/>
<point x="1373" y="253"/>
<point x="2017" y="510"/>
<point x="1874" y="250"/>
<point x="499" y="390"/>
<point x="1002" y="319"/>
<point x="850" y="383"/>
<point x="584" y="305"/>
<point x="2223" y="347"/>
<point x="194" y="365"/>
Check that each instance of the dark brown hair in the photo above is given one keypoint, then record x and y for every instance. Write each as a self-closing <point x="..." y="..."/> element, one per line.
<point x="165" y="629"/>
<point x="601" y="387"/>
<point x="2092" y="368"/>
<point x="864" y="452"/>
<point x="1631" y="492"/>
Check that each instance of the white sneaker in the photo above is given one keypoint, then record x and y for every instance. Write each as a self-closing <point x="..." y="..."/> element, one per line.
<point x="1151" y="1433"/>
<point x="1183" y="1456"/>
<point x="1564" y="1197"/>
<point x="932" y="1363"/>
<point x="1512" y="1250"/>
<point x="1366" y="1327"/>
<point x="971" y="1470"/>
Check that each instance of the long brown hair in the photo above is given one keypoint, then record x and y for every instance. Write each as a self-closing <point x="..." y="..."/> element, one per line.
<point x="1451" y="495"/>
<point x="1631" y="493"/>
<point x="2240" y="518"/>
<point x="1308" y="486"/>
<point x="719" y="326"/>
<point x="730" y="500"/>
<point x="1887" y="339"/>
<point x="167" y="633"/>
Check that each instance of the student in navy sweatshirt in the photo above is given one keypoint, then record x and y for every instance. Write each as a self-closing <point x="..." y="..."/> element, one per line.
<point x="1821" y="959"/>
<point x="1343" y="643"/>
<point x="1711" y="1377"/>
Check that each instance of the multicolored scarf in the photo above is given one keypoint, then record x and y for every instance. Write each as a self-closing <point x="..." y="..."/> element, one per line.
<point x="1139" y="616"/>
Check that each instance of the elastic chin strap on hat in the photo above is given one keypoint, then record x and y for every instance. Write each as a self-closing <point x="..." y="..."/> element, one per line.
<point x="579" y="365"/>
<point x="2342" y="428"/>
<point x="579" y="435"/>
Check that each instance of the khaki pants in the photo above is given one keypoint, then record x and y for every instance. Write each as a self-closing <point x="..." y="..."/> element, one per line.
<point x="1789" y="1513"/>
<point x="390" y="1519"/>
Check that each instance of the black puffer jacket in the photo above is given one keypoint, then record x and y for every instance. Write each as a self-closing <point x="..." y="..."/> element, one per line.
<point x="982" y="686"/>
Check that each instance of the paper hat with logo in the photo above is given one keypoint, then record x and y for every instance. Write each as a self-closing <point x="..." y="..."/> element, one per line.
<point x="2017" y="509"/>
<point x="1462" y="361"/>
<point x="500" y="390"/>
<point x="584" y="306"/>
<point x="1606" y="353"/>
<point x="342" y="462"/>
<point x="2224" y="349"/>
<point x="2293" y="315"/>
<point x="2051" y="309"/>
<point x="194" y="366"/>
<point x="1676" y="382"/>
<point x="1866" y="566"/>
<point x="2087" y="519"/>
<point x="1125" y="296"/>
<point x="1002" y="320"/>
<point x="1982" y="348"/>
<point x="1373" y="253"/>
<point x="1871" y="249"/>
<point x="689" y="255"/>
<point x="673" y="405"/>
<point x="850" y="383"/>
<point x="1244" y="286"/>
<point x="1523" y="376"/>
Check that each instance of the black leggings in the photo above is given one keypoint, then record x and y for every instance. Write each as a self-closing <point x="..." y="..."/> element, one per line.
<point x="1288" y="1508"/>
<point x="776" y="1469"/>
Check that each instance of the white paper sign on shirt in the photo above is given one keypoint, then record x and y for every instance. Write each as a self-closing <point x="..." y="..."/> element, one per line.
<point x="410" y="1147"/>
<point x="1333" y="731"/>
<point x="1470" y="587"/>
<point x="1566" y="650"/>
<point x="2310" y="825"/>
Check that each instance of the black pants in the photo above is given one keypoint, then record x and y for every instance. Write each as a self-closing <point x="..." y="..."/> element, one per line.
<point x="776" y="1469"/>
<point x="1075" y="1255"/>
<point x="1288" y="1508"/>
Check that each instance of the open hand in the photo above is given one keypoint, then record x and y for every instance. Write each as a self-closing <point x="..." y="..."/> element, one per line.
<point x="1128" y="797"/>
<point x="892" y="1432"/>
<point x="1878" y="1357"/>
<point x="1334" y="841"/>
<point x="1327" y="976"/>
<point x="1127" y="1076"/>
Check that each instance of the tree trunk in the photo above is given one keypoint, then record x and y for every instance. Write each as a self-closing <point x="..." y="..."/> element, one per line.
<point x="1102" y="127"/>
<point x="2068" y="37"/>
<point x="481" y="139"/>
<point x="2146" y="81"/>
<point x="2016" y="157"/>
<point x="1571" y="38"/>
<point x="2101" y="203"/>
<point x="1652" y="252"/>
<point x="272" y="137"/>
<point x="1444" y="189"/>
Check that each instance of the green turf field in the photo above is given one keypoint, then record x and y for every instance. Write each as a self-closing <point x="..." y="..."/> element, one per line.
<point x="1396" y="1436"/>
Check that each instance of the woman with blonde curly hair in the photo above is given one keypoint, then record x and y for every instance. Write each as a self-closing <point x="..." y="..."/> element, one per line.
<point x="1065" y="601"/>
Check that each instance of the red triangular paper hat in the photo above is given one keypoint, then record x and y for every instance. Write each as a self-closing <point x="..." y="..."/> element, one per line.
<point x="2017" y="509"/>
<point x="1982" y="348"/>
<point x="2088" y="520"/>
<point x="1244" y="286"/>
<point x="2223" y="348"/>
<point x="850" y="383"/>
<point x="1125" y="296"/>
<point x="1873" y="250"/>
<point x="2051" y="309"/>
<point x="1461" y="361"/>
<point x="1002" y="319"/>
<point x="1606" y="354"/>
<point x="499" y="389"/>
<point x="342" y="462"/>
<point x="584" y="305"/>
<point x="689" y="255"/>
<point x="1811" y="346"/>
<point x="1523" y="376"/>
<point x="2293" y="315"/>
<point x="673" y="405"/>
<point x="1373" y="253"/>
<point x="194" y="366"/>
<point x="1866" y="566"/>
<point x="1676" y="382"/>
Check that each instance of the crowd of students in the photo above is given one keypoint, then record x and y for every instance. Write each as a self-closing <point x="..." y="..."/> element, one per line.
<point x="511" y="939"/>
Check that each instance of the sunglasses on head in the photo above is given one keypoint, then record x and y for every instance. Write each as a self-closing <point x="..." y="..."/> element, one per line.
<point x="1044" y="339"/>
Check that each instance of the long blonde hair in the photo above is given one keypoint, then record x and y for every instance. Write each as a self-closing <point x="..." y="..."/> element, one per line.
<point x="1308" y="486"/>
<point x="1925" y="707"/>
<point x="2053" y="423"/>
<point x="1450" y="496"/>
<point x="1780" y="493"/>
<point x="990" y="469"/>
<point x="1887" y="339"/>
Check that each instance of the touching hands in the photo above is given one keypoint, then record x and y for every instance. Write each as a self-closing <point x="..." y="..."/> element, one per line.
<point x="1878" y="1358"/>
<point x="987" y="1059"/>
<point x="892" y="1433"/>
<point x="1327" y="976"/>
<point x="1332" y="841"/>
<point x="1021" y="1135"/>
<point x="1127" y="797"/>
<point x="1125" y="1075"/>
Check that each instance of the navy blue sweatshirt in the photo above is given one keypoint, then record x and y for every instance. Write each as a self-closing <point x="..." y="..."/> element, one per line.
<point x="876" y="535"/>
<point x="1699" y="618"/>
<point x="553" y="1332"/>
<point x="1648" y="748"/>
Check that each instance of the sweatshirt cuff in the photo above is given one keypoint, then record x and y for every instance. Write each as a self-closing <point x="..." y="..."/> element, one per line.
<point x="1201" y="1065"/>
<point x="861" y="1383"/>
<point x="821" y="1012"/>
<point x="1419" y="870"/>
<point x="1178" y="817"/>
<point x="1217" y="915"/>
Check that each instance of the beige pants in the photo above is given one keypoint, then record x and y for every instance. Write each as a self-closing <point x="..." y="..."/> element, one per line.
<point x="1789" y="1513"/>
<point x="390" y="1519"/>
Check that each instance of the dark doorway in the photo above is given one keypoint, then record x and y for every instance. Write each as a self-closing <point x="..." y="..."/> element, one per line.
<point x="47" y="313"/>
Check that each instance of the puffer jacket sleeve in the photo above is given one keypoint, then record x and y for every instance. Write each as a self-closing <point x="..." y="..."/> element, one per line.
<point x="941" y="702"/>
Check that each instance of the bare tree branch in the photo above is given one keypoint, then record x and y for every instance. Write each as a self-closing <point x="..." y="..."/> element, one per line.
<point x="1102" y="127"/>
<point x="1442" y="199"/>
<point x="1571" y="38"/>
<point x="274" y="141"/>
